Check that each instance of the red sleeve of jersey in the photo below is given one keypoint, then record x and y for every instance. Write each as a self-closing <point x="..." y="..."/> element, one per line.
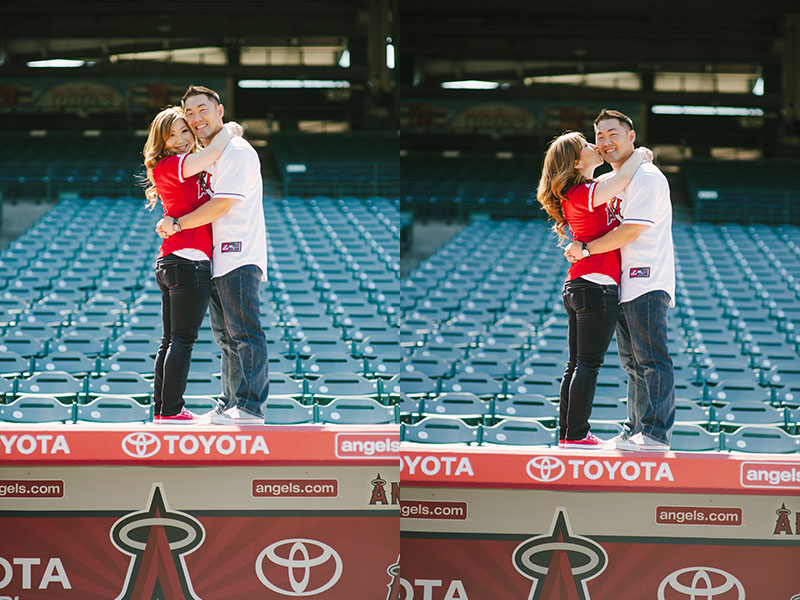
<point x="582" y="196"/>
<point x="169" y="170"/>
<point x="168" y="177"/>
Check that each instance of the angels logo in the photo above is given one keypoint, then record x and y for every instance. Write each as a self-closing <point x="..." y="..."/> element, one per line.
<point x="204" y="184"/>
<point x="394" y="582"/>
<point x="156" y="539"/>
<point x="613" y="212"/>
<point x="379" y="495"/>
<point x="559" y="563"/>
<point x="784" y="524"/>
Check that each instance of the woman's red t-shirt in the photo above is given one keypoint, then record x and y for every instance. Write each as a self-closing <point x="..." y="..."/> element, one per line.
<point x="180" y="196"/>
<point x="586" y="223"/>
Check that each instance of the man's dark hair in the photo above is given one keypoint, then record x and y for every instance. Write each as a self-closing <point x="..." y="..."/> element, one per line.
<point x="200" y="90"/>
<point x="614" y="114"/>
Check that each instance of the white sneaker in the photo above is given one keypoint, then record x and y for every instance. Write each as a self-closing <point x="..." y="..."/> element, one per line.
<point x="612" y="444"/>
<point x="234" y="416"/>
<point x="641" y="443"/>
<point x="208" y="418"/>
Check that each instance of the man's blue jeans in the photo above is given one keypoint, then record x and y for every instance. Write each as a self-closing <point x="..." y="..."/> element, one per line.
<point x="236" y="324"/>
<point x="644" y="354"/>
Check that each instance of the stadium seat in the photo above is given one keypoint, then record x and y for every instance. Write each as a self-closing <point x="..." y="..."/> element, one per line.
<point x="331" y="362"/>
<point x="282" y="410"/>
<point x="133" y="342"/>
<point x="749" y="412"/>
<point x="120" y="383"/>
<point x="74" y="362"/>
<point x="439" y="430"/>
<point x="38" y="409"/>
<point x="430" y="365"/>
<point x="609" y="409"/>
<point x="413" y="384"/>
<point x="689" y="412"/>
<point x="13" y="365"/>
<point x="605" y="430"/>
<point x="119" y="409"/>
<point x="480" y="384"/>
<point x="331" y="385"/>
<point x="23" y="345"/>
<point x="57" y="384"/>
<point x="356" y="410"/>
<point x="691" y="437"/>
<point x="281" y="384"/>
<point x="754" y="438"/>
<point x="202" y="384"/>
<point x="131" y="361"/>
<point x="533" y="384"/>
<point x="384" y="367"/>
<point x="489" y="365"/>
<point x="526" y="406"/>
<point x="464" y="405"/>
<point x="520" y="432"/>
<point x="200" y="405"/>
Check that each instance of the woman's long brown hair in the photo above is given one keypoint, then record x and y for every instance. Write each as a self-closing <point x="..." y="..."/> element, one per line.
<point x="155" y="149"/>
<point x="558" y="176"/>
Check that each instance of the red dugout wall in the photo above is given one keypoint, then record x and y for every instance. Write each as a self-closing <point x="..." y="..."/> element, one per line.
<point x="209" y="513"/>
<point x="482" y="524"/>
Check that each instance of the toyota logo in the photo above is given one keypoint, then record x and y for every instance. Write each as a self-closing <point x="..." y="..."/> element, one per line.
<point x="545" y="468"/>
<point x="141" y="444"/>
<point x="701" y="582"/>
<point x="302" y="556"/>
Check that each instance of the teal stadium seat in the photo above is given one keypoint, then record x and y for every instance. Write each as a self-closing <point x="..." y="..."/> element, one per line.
<point x="281" y="410"/>
<point x="520" y="433"/>
<point x="760" y="439"/>
<point x="37" y="409"/>
<point x="362" y="411"/>
<point x="439" y="430"/>
<point x="691" y="437"/>
<point x="114" y="410"/>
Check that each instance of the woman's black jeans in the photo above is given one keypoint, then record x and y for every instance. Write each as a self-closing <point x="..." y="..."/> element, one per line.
<point x="185" y="286"/>
<point x="592" y="312"/>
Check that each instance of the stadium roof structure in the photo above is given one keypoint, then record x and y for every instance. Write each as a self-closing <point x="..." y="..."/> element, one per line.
<point x="515" y="43"/>
<point x="98" y="32"/>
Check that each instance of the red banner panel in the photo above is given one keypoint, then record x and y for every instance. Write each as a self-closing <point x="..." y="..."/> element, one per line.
<point x="561" y="565"/>
<point x="158" y="552"/>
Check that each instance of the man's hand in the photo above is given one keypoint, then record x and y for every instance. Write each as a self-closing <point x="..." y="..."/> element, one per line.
<point x="164" y="228"/>
<point x="573" y="252"/>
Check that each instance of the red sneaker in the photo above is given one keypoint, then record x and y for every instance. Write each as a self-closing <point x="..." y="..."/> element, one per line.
<point x="185" y="417"/>
<point x="590" y="442"/>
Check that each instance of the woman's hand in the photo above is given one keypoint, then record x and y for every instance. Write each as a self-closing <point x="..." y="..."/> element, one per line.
<point x="234" y="128"/>
<point x="573" y="252"/>
<point x="645" y="153"/>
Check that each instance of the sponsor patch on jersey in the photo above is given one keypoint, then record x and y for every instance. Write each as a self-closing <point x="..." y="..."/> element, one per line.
<point x="230" y="247"/>
<point x="639" y="272"/>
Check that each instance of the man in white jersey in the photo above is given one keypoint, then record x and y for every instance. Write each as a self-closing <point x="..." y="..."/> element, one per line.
<point x="238" y="265"/>
<point x="647" y="288"/>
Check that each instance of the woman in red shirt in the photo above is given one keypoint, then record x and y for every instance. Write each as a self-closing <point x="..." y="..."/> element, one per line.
<point x="175" y="174"/>
<point x="574" y="200"/>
